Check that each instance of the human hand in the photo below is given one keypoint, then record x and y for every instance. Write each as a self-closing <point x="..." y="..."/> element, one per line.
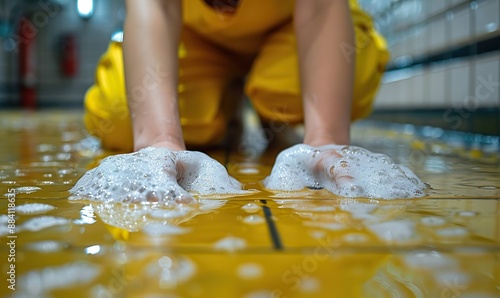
<point x="346" y="171"/>
<point x="157" y="176"/>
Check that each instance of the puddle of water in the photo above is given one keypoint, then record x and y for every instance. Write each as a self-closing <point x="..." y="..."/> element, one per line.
<point x="306" y="244"/>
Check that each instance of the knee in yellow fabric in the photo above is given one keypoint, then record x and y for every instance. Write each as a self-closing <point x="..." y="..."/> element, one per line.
<point x="274" y="85"/>
<point x="106" y="111"/>
<point x="107" y="114"/>
<point x="371" y="58"/>
<point x="203" y="122"/>
<point x="278" y="107"/>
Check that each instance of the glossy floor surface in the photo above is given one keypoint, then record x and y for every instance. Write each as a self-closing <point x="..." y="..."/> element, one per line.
<point x="303" y="244"/>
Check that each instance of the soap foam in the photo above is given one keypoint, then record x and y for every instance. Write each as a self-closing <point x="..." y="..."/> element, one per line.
<point x="397" y="231"/>
<point x="346" y="171"/>
<point x="249" y="271"/>
<point x="43" y="222"/>
<point x="148" y="218"/>
<point x="230" y="244"/>
<point x="37" y="283"/>
<point x="156" y="176"/>
<point x="34" y="208"/>
<point x="47" y="246"/>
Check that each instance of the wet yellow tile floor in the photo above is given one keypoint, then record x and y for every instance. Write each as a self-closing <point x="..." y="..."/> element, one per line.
<point x="306" y="244"/>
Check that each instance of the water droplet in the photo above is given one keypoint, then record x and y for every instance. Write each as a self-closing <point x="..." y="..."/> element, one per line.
<point x="34" y="208"/>
<point x="452" y="232"/>
<point x="165" y="262"/>
<point x="151" y="197"/>
<point x="230" y="244"/>
<point x="249" y="171"/>
<point x="489" y="187"/>
<point x="357" y="191"/>
<point x="43" y="222"/>
<point x="253" y="219"/>
<point x="467" y="213"/>
<point x="433" y="221"/>
<point x="355" y="238"/>
<point x="251" y="208"/>
<point x="249" y="271"/>
<point x="46" y="246"/>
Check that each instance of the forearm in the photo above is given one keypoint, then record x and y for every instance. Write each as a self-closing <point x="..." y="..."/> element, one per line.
<point x="323" y="29"/>
<point x="151" y="38"/>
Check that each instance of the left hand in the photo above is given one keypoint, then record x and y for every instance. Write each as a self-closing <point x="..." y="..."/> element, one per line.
<point x="158" y="176"/>
<point x="346" y="171"/>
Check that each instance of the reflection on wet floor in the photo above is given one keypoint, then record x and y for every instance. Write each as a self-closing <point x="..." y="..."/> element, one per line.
<point x="302" y="244"/>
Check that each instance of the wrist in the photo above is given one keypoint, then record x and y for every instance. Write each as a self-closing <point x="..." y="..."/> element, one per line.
<point x="321" y="137"/>
<point x="170" y="142"/>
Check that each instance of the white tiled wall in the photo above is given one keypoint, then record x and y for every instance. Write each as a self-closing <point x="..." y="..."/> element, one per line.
<point x="92" y="37"/>
<point x="444" y="24"/>
<point x="459" y="73"/>
<point x="437" y="34"/>
<point x="435" y="80"/>
<point x="487" y="17"/>
<point x="460" y="25"/>
<point x="487" y="80"/>
<point x="419" y="28"/>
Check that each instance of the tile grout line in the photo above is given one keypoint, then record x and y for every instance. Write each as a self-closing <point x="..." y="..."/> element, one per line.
<point x="273" y="231"/>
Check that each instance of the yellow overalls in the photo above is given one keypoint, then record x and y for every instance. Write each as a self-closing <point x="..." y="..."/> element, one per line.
<point x="258" y="41"/>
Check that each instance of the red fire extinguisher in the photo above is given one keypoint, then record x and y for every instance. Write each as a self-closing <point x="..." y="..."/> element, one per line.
<point x="27" y="63"/>
<point x="68" y="62"/>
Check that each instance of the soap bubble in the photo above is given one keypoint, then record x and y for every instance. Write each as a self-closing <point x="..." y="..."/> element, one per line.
<point x="346" y="171"/>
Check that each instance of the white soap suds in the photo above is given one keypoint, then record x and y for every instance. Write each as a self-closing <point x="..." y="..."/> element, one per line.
<point x="47" y="246"/>
<point x="358" y="210"/>
<point x="156" y="176"/>
<point x="208" y="205"/>
<point x="152" y="190"/>
<point x="230" y="244"/>
<point x="433" y="221"/>
<point x="453" y="277"/>
<point x="432" y="260"/>
<point x="346" y="171"/>
<point x="36" y="283"/>
<point x="331" y="226"/>
<point x="34" y="208"/>
<point x="131" y="217"/>
<point x="249" y="271"/>
<point x="478" y="295"/>
<point x="398" y="231"/>
<point x="4" y="219"/>
<point x="317" y="234"/>
<point x="171" y="271"/>
<point x="163" y="229"/>
<point x="206" y="176"/>
<point x="260" y="294"/>
<point x="26" y="189"/>
<point x="309" y="285"/>
<point x="169" y="214"/>
<point x="134" y="217"/>
<point x="44" y="222"/>
<point x="249" y="171"/>
<point x="355" y="238"/>
<point x="253" y="219"/>
<point x="452" y="232"/>
<point x="467" y="213"/>
<point x="184" y="268"/>
<point x="4" y="230"/>
<point x="251" y="208"/>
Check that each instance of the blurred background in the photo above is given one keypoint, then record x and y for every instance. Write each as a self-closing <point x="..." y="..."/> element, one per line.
<point x="444" y="69"/>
